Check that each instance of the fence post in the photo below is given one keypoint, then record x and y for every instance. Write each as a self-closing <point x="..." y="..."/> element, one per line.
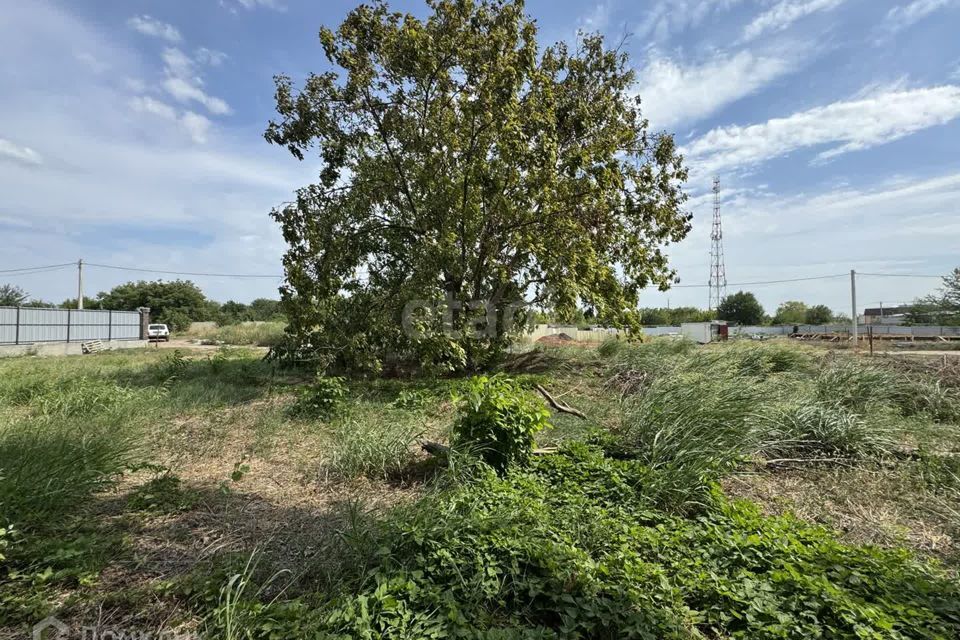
<point x="68" y="324"/>
<point x="16" y="334"/>
<point x="109" y="325"/>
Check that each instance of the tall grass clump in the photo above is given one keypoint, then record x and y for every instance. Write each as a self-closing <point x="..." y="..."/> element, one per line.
<point x="813" y="430"/>
<point x="689" y="428"/>
<point x="857" y="386"/>
<point x="374" y="446"/>
<point x="50" y="467"/>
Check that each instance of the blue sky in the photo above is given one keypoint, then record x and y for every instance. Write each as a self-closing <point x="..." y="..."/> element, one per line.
<point x="131" y="134"/>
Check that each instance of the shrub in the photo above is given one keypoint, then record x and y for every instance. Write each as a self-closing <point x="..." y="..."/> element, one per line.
<point x="410" y="399"/>
<point x="499" y="419"/>
<point x="322" y="399"/>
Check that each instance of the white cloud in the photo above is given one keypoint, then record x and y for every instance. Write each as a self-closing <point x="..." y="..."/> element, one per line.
<point x="22" y="155"/>
<point x="250" y="5"/>
<point x="904" y="16"/>
<point x="783" y="14"/>
<point x="185" y="91"/>
<point x="150" y="26"/>
<point x="599" y="17"/>
<point x="209" y="57"/>
<point x="850" y="125"/>
<point x="670" y="17"/>
<point x="196" y="125"/>
<point x="146" y="104"/>
<point x="674" y="94"/>
<point x="184" y="85"/>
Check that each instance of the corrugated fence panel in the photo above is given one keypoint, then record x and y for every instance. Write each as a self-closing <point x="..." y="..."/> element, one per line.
<point x="27" y="325"/>
<point x="126" y="325"/>
<point x="43" y="325"/>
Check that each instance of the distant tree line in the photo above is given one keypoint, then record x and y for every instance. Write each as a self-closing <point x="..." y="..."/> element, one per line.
<point x="741" y="307"/>
<point x="177" y="303"/>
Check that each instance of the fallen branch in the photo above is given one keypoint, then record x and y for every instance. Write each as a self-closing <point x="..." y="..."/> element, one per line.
<point x="559" y="406"/>
<point x="779" y="461"/>
<point x="442" y="450"/>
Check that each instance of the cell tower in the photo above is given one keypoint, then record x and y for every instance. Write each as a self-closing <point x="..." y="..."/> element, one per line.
<point x="718" y="271"/>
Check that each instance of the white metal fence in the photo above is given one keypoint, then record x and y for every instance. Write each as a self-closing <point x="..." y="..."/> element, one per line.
<point x="29" y="325"/>
<point x="599" y="335"/>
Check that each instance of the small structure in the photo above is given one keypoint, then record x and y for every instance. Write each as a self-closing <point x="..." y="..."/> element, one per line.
<point x="705" y="332"/>
<point x="887" y="315"/>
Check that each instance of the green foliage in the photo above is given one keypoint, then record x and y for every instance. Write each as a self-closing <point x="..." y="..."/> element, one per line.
<point x="741" y="307"/>
<point x="461" y="161"/>
<point x="12" y="295"/>
<point x="674" y="316"/>
<point x="942" y="307"/>
<point x="499" y="420"/>
<point x="175" y="303"/>
<point x="690" y="428"/>
<point x="410" y="399"/>
<point x="162" y="494"/>
<point x="88" y="303"/>
<point x="321" y="399"/>
<point x="819" y="314"/>
<point x="570" y="548"/>
<point x="791" y="312"/>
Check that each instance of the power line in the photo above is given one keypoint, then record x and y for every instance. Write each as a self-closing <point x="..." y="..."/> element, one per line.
<point x="184" y="273"/>
<point x="31" y="273"/>
<point x="42" y="267"/>
<point x="760" y="282"/>
<point x="898" y="275"/>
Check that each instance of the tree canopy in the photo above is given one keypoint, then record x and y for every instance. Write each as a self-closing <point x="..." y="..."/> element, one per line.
<point x="460" y="162"/>
<point x="942" y="307"/>
<point x="741" y="307"/>
<point x="12" y="295"/>
<point x="819" y="314"/>
<point x="674" y="316"/>
<point x="175" y="303"/>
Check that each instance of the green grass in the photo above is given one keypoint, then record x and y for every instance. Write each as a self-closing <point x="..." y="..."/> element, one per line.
<point x="621" y="538"/>
<point x="569" y="548"/>
<point x="260" y="334"/>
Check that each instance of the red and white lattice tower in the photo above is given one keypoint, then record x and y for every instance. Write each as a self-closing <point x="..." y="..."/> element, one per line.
<point x="718" y="271"/>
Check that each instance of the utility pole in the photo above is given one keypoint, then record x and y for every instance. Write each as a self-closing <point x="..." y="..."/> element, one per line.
<point x="853" y="305"/>
<point x="80" y="283"/>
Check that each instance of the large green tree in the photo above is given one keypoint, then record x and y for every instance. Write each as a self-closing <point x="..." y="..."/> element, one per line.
<point x="741" y="307"/>
<point x="819" y="314"/>
<point x="461" y="161"/>
<point x="176" y="303"/>
<point x="791" y="312"/>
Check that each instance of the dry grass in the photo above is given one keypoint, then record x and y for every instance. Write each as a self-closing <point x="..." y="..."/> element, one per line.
<point x="881" y="505"/>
